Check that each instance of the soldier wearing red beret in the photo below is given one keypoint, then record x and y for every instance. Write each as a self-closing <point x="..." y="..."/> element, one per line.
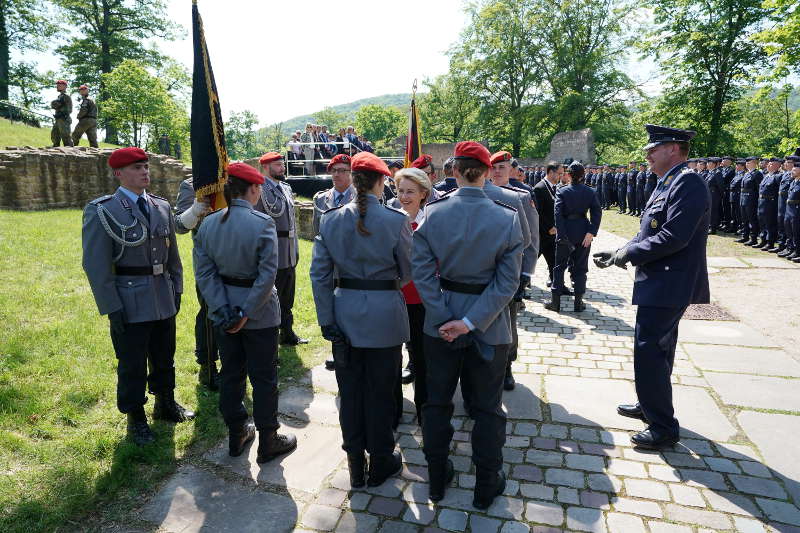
<point x="130" y="256"/>
<point x="62" y="115"/>
<point x="425" y="163"/>
<point x="87" y="119"/>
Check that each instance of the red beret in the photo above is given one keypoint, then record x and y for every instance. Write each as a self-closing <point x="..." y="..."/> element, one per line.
<point x="473" y="150"/>
<point x="269" y="157"/>
<point x="84" y="86"/>
<point x="499" y="157"/>
<point x="61" y="82"/>
<point x="126" y="156"/>
<point x="422" y="161"/>
<point x="369" y="162"/>
<point x="245" y="172"/>
<point x="341" y="158"/>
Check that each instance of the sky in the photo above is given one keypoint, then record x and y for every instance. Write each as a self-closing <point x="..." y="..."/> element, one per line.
<point x="283" y="59"/>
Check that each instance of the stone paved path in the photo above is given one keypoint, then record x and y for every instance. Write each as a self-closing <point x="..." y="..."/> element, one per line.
<point x="568" y="455"/>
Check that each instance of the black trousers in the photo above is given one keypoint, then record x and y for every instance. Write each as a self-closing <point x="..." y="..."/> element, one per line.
<point x="145" y="356"/>
<point x="416" y="352"/>
<point x="513" y="311"/>
<point x="285" y="280"/>
<point x="366" y="399"/>
<point x="577" y="260"/>
<point x="205" y="345"/>
<point x="249" y="353"/>
<point x="485" y="383"/>
<point x="547" y="248"/>
<point x="656" y="336"/>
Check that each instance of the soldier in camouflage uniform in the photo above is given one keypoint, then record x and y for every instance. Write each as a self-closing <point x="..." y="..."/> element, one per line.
<point x="87" y="119"/>
<point x="62" y="107"/>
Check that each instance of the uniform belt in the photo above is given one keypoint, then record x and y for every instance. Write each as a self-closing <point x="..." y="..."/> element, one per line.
<point x="746" y="191"/>
<point x="237" y="282"/>
<point x="765" y="197"/>
<point x="793" y="202"/>
<point x="465" y="288"/>
<point x="285" y="234"/>
<point x="153" y="270"/>
<point x="576" y="216"/>
<point x="784" y="194"/>
<point x="368" y="284"/>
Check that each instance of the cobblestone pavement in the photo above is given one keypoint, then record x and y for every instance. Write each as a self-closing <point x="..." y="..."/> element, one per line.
<point x="568" y="456"/>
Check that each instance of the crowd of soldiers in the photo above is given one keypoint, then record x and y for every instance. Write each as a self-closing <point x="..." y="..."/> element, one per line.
<point x="62" y="117"/>
<point x="440" y="266"/>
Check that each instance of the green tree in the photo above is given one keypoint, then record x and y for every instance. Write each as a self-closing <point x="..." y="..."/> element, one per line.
<point x="110" y="32"/>
<point x="272" y="137"/>
<point x="24" y="26"/>
<point x="782" y="41"/>
<point x="241" y="136"/>
<point x="449" y="109"/>
<point x="141" y="106"/>
<point x="706" y="49"/>
<point x="26" y="83"/>
<point x="378" y="123"/>
<point x="331" y="118"/>
<point x="767" y="125"/>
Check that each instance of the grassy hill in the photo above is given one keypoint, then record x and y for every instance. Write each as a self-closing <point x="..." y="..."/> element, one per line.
<point x="18" y="134"/>
<point x="293" y="124"/>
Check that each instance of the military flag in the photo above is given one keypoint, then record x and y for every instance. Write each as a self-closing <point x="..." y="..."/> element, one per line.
<point x="209" y="155"/>
<point x="413" y="142"/>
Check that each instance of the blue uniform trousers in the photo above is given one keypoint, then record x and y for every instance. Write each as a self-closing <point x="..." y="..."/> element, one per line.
<point x="791" y="223"/>
<point x="485" y="384"/>
<point x="622" y="199"/>
<point x="749" y="206"/>
<point x="249" y="353"/>
<point x="736" y="211"/>
<point x="576" y="258"/>
<point x="768" y="219"/>
<point x="782" y="236"/>
<point x="656" y="336"/>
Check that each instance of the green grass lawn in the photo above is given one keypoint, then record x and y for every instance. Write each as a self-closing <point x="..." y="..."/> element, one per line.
<point x="18" y="134"/>
<point x="63" y="458"/>
<point x="722" y="245"/>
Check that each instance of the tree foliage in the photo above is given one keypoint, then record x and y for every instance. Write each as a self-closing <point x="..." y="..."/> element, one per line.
<point x="378" y="123"/>
<point x="24" y="26"/>
<point x="241" y="136"/>
<point x="331" y="118"/>
<point x="782" y="41"/>
<point x="449" y="109"/>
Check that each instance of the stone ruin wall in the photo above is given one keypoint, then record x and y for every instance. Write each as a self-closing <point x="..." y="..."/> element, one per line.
<point x="578" y="145"/>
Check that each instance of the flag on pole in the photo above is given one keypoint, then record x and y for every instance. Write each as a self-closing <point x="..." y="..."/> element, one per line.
<point x="209" y="155"/>
<point x="413" y="142"/>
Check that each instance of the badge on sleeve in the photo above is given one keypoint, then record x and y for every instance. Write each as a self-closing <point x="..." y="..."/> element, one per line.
<point x="654" y="223"/>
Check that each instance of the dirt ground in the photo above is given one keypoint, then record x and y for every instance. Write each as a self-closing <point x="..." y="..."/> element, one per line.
<point x="767" y="299"/>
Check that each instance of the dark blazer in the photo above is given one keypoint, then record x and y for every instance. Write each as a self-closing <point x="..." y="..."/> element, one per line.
<point x="545" y="203"/>
<point x="572" y="203"/>
<point x="670" y="249"/>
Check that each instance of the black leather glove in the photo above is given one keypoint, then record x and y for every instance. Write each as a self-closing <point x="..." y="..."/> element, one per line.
<point x="177" y="302"/>
<point x="461" y="342"/>
<point x="332" y="333"/>
<point x="524" y="281"/>
<point x="227" y="317"/>
<point x="117" y="320"/>
<point x="607" y="259"/>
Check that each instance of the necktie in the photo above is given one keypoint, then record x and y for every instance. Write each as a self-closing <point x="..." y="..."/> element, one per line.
<point x="339" y="198"/>
<point x="143" y="207"/>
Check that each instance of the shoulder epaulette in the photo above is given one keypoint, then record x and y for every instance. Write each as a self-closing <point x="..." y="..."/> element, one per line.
<point x="256" y="213"/>
<point x="398" y="211"/>
<point x="498" y="202"/>
<point x="105" y="198"/>
<point x="442" y="198"/>
<point x="512" y="188"/>
<point x="157" y="197"/>
<point x="333" y="208"/>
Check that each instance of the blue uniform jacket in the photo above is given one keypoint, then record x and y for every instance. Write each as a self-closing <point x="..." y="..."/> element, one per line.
<point x="670" y="249"/>
<point x="573" y="201"/>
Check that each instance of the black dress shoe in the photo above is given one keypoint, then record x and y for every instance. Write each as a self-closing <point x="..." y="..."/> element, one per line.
<point x="487" y="490"/>
<point x="239" y="437"/>
<point x="166" y="408"/>
<point x="138" y="430"/>
<point x="742" y="240"/>
<point x="650" y="440"/>
<point x="330" y="364"/>
<point x="408" y="375"/>
<point x="440" y="476"/>
<point x="382" y="468"/>
<point x="356" y="463"/>
<point x="631" y="411"/>
<point x="508" y="380"/>
<point x="796" y="259"/>
<point x="786" y="253"/>
<point x="567" y="292"/>
<point x="578" y="306"/>
<point x="273" y="444"/>
<point x="777" y="249"/>
<point x="291" y="339"/>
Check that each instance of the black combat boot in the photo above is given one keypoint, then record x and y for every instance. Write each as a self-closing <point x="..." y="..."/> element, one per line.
<point x="788" y="252"/>
<point x="778" y="248"/>
<point x="238" y="437"/>
<point x="488" y="485"/>
<point x="743" y="239"/>
<point x="273" y="444"/>
<point x="554" y="304"/>
<point x="508" y="381"/>
<point x="767" y="246"/>
<point x="579" y="306"/>
<point x="383" y="467"/>
<point x="356" y="463"/>
<point x="166" y="408"/>
<point x="440" y="474"/>
<point x="208" y="376"/>
<point x="138" y="429"/>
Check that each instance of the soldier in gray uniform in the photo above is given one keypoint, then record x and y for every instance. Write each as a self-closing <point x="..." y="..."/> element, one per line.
<point x="235" y="263"/>
<point x="342" y="191"/>
<point x="189" y="213"/>
<point x="130" y="256"/>
<point x="62" y="115"/>
<point x="466" y="259"/>
<point x="361" y="258"/>
<point x="277" y="201"/>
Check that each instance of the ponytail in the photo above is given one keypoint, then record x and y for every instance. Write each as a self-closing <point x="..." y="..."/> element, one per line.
<point x="364" y="181"/>
<point x="234" y="188"/>
<point x="470" y="169"/>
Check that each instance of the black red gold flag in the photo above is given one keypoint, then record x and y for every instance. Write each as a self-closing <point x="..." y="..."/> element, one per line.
<point x="413" y="142"/>
<point x="209" y="155"/>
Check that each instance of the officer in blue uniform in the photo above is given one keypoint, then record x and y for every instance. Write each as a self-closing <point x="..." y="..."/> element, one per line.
<point x="783" y="195"/>
<point x="735" y="220"/>
<point x="728" y="172"/>
<point x="792" y="217"/>
<point x="574" y="235"/>
<point x="748" y="201"/>
<point x="641" y="186"/>
<point x="669" y="253"/>
<point x="768" y="204"/>
<point x="650" y="185"/>
<point x="630" y="188"/>
<point x="609" y="193"/>
<point x="621" y="179"/>
<point x="449" y="182"/>
<point x="716" y="187"/>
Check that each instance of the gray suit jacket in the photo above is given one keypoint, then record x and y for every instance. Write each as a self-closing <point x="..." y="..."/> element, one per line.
<point x="142" y="298"/>
<point x="324" y="200"/>
<point x="277" y="201"/>
<point x="468" y="238"/>
<point x="245" y="246"/>
<point x="369" y="319"/>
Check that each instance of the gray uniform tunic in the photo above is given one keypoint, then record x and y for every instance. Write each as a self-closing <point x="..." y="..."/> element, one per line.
<point x="153" y="244"/>
<point x="244" y="247"/>
<point x="513" y="198"/>
<point x="531" y="253"/>
<point x="467" y="215"/>
<point x="277" y="201"/>
<point x="325" y="200"/>
<point x="369" y="319"/>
